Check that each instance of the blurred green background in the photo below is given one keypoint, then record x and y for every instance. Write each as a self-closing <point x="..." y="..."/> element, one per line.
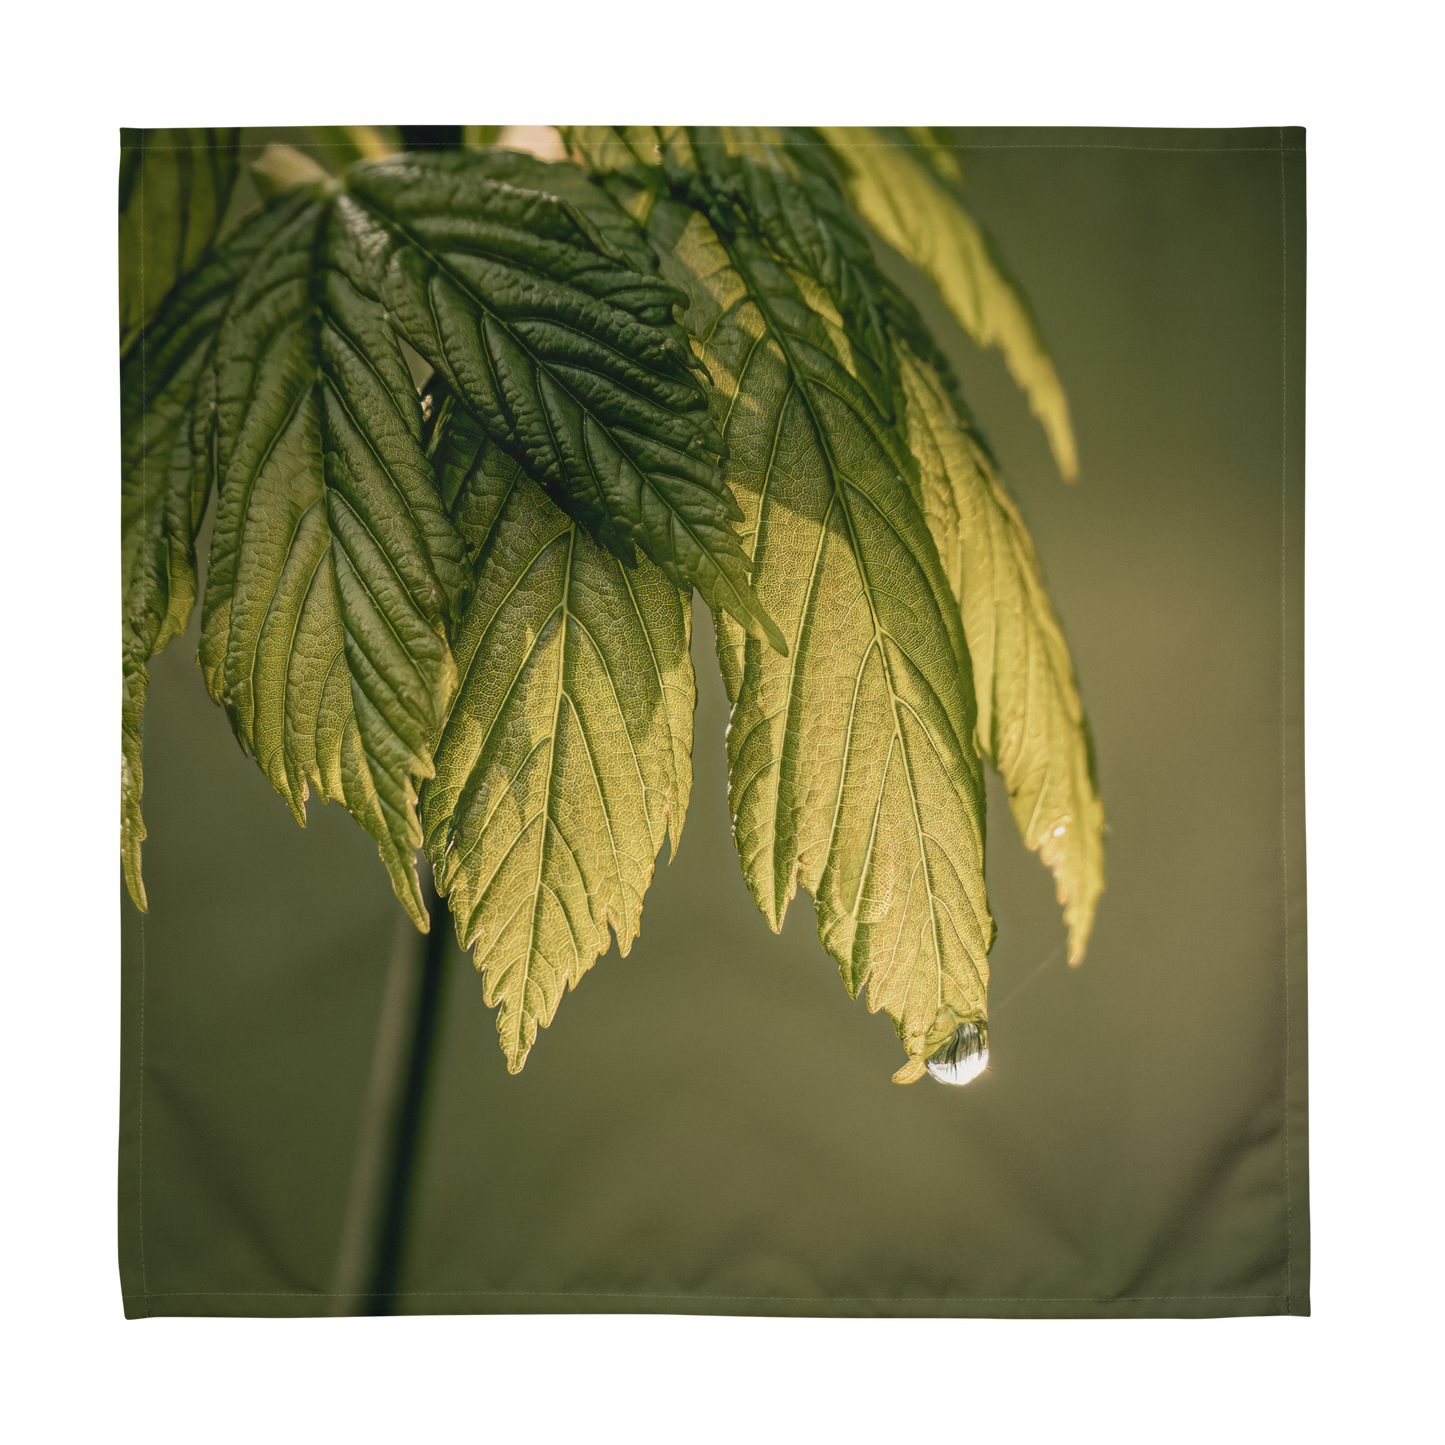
<point x="709" y="1125"/>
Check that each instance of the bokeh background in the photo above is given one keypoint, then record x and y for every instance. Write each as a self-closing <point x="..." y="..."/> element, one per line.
<point x="709" y="1124"/>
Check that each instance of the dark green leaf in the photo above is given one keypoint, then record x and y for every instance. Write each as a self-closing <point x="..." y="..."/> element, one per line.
<point x="567" y="355"/>
<point x="167" y="473"/>
<point x="175" y="186"/>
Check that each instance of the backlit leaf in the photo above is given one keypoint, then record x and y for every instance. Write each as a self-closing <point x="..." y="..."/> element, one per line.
<point x="566" y="755"/>
<point x="1031" y="724"/>
<point x="334" y="568"/>
<point x="915" y="213"/>
<point x="852" y="767"/>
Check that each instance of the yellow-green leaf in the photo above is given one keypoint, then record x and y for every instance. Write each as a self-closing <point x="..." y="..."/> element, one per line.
<point x="914" y="212"/>
<point x="1031" y="724"/>
<point x="852" y="767"/>
<point x="566" y="756"/>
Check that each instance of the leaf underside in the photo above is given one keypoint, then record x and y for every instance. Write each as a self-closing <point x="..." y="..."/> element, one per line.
<point x="567" y="754"/>
<point x="1031" y="724"/>
<point x="852" y="768"/>
<point x="467" y="617"/>
<point x="913" y="210"/>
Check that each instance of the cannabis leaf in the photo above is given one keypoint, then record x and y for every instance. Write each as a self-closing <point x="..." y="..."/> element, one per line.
<point x="1031" y="724"/>
<point x="912" y="209"/>
<point x="851" y="762"/>
<point x="175" y="186"/>
<point x="567" y="753"/>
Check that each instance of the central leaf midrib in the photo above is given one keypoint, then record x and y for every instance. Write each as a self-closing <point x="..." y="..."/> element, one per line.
<point x="784" y="343"/>
<point x="295" y="627"/>
<point x="546" y="808"/>
<point x="438" y="261"/>
<point x="523" y="573"/>
<point x="656" y="670"/>
<point x="627" y="732"/>
<point x="364" y="356"/>
<point x="253" y="475"/>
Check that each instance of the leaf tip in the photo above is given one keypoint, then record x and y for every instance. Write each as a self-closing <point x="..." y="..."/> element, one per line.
<point x="772" y="634"/>
<point x="131" y="835"/>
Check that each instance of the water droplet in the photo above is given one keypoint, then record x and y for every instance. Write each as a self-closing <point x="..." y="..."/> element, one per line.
<point x="964" y="1057"/>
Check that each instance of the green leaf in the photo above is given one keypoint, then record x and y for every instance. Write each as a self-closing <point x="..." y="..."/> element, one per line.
<point x="775" y="181"/>
<point x="566" y="755"/>
<point x="566" y="354"/>
<point x="914" y="212"/>
<point x="1031" y="724"/>
<point x="334" y="569"/>
<point x="852" y="767"/>
<point x="333" y="566"/>
<point x="175" y="186"/>
<point x="167" y="473"/>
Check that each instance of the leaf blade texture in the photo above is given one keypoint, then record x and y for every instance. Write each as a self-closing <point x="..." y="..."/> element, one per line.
<point x="566" y="354"/>
<point x="852" y="768"/>
<point x="913" y="210"/>
<point x="566" y="756"/>
<point x="1031" y="724"/>
<point x="333" y="568"/>
<point x="167" y="478"/>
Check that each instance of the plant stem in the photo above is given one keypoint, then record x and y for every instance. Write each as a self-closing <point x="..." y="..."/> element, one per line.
<point x="369" y="1257"/>
<point x="408" y="1129"/>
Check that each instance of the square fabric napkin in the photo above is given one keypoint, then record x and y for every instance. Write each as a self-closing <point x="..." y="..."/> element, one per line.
<point x="708" y="1127"/>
